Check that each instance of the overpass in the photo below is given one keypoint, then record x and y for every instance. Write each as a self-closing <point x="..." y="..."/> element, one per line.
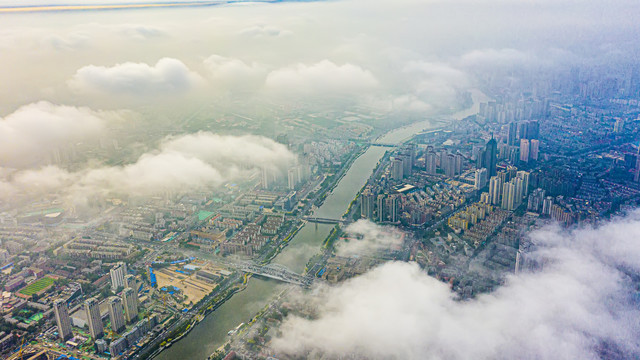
<point x="276" y="272"/>
<point x="320" y="220"/>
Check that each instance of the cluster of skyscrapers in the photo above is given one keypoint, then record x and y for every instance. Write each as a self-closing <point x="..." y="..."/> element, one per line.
<point x="296" y="175"/>
<point x="122" y="310"/>
<point x="507" y="189"/>
<point x="381" y="208"/>
<point x="525" y="134"/>
<point x="451" y="164"/>
<point x="402" y="163"/>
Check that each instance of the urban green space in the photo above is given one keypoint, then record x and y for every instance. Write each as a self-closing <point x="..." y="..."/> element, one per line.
<point x="37" y="286"/>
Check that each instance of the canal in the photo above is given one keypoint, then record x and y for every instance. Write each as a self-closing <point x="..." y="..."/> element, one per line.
<point x="211" y="333"/>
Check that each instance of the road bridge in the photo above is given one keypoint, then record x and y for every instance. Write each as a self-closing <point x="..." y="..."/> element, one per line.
<point x="320" y="220"/>
<point x="374" y="143"/>
<point x="276" y="272"/>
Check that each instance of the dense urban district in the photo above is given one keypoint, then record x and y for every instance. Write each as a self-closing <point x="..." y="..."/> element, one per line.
<point x="137" y="276"/>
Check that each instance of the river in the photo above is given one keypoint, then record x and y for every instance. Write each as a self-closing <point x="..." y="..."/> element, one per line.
<point x="211" y="333"/>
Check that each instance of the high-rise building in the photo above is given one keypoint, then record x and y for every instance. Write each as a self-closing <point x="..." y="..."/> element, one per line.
<point x="412" y="150"/>
<point x="524" y="150"/>
<point x="503" y="175"/>
<point x="523" y="129"/>
<point x="525" y="176"/>
<point x="407" y="163"/>
<point x="94" y="320"/>
<point x="450" y="165"/>
<point x="637" y="175"/>
<point x="116" y="314"/>
<point x="130" y="281"/>
<point x="495" y="190"/>
<point x="512" y="135"/>
<point x="534" y="149"/>
<point x="266" y="179"/>
<point x="480" y="179"/>
<point x="536" y="200"/>
<point x="397" y="169"/>
<point x="118" y="272"/>
<point x="63" y="320"/>
<point x="533" y="129"/>
<point x="618" y="127"/>
<point x="430" y="161"/>
<point x="509" y="196"/>
<point x="458" y="166"/>
<point x="519" y="183"/>
<point x="130" y="300"/>
<point x="269" y="177"/>
<point x="392" y="203"/>
<point x="546" y="205"/>
<point x="292" y="178"/>
<point x="367" y="204"/>
<point x="381" y="213"/>
<point x="491" y="157"/>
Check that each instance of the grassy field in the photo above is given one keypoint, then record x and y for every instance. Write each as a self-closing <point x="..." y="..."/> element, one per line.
<point x="37" y="286"/>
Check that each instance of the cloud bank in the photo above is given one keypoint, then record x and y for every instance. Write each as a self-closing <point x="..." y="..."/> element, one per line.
<point x="325" y="77"/>
<point x="365" y="237"/>
<point x="580" y="305"/>
<point x="168" y="75"/>
<point x="234" y="73"/>
<point x="181" y="163"/>
<point x="36" y="129"/>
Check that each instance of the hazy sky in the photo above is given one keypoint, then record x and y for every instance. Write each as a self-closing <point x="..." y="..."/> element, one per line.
<point x="72" y="77"/>
<point x="372" y="48"/>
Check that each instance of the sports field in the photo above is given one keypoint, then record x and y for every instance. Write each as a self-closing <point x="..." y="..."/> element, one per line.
<point x="37" y="286"/>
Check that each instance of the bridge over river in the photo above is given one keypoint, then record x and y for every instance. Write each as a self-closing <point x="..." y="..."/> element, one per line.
<point x="276" y="272"/>
<point x="321" y="220"/>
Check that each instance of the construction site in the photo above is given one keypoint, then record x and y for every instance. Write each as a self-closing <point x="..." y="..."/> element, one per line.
<point x="38" y="352"/>
<point x="191" y="282"/>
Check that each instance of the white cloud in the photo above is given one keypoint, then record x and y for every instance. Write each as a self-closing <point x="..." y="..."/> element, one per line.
<point x="234" y="73"/>
<point x="581" y="301"/>
<point x="324" y="77"/>
<point x="185" y="162"/>
<point x="189" y="161"/>
<point x="410" y="103"/>
<point x="34" y="182"/>
<point x="72" y="41"/>
<point x="495" y="58"/>
<point x="153" y="174"/>
<point x="34" y="130"/>
<point x="243" y="151"/>
<point x="141" y="32"/>
<point x="260" y="31"/>
<point x="166" y="76"/>
<point x="365" y="238"/>
<point x="436" y="83"/>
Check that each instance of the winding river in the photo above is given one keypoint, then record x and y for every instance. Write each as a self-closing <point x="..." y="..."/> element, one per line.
<point x="211" y="333"/>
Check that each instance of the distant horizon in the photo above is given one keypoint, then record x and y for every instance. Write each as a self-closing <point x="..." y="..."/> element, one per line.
<point x="105" y="5"/>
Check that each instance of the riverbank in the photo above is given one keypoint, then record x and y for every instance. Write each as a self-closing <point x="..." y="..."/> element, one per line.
<point x="326" y="191"/>
<point x="211" y="333"/>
